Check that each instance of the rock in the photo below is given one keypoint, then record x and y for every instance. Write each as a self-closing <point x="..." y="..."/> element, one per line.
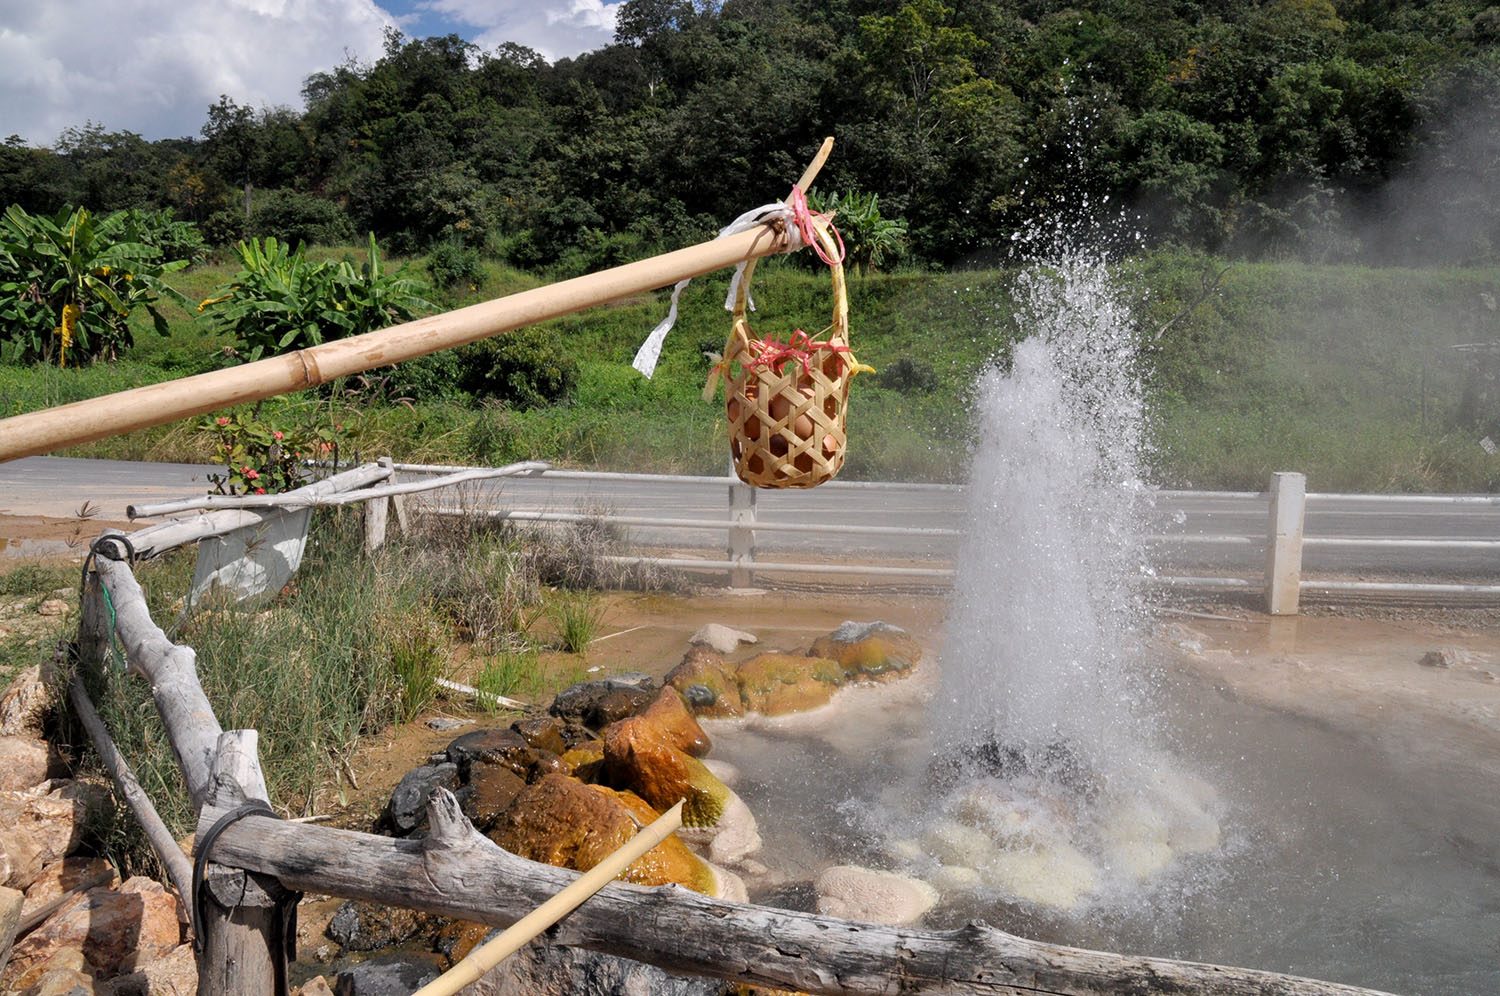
<point x="639" y="757"/>
<point x="721" y="638"/>
<point x="596" y="704"/>
<point x="387" y="975"/>
<point x="23" y="763"/>
<point x="670" y="714"/>
<point x="360" y="926"/>
<point x="545" y="732"/>
<point x="491" y="790"/>
<point x="52" y="607"/>
<point x="37" y="829"/>
<point x="463" y="750"/>
<point x="407" y="809"/>
<point x="956" y="880"/>
<point x="24" y="704"/>
<point x="707" y="684"/>
<point x="316" y="986"/>
<point x="1058" y="875"/>
<point x="722" y="770"/>
<point x="869" y="650"/>
<point x="775" y="684"/>
<point x="1444" y="657"/>
<point x="525" y="761"/>
<point x="561" y="821"/>
<point x="60" y="876"/>
<point x="62" y="982"/>
<point x="173" y="974"/>
<point x="870" y="896"/>
<point x="460" y="937"/>
<point x="586" y="761"/>
<point x="139" y="920"/>
<point x="442" y="724"/>
<point x="542" y="968"/>
<point x="732" y="839"/>
<point x="60" y="962"/>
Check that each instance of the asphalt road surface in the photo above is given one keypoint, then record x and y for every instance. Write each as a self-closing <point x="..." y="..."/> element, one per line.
<point x="1182" y="525"/>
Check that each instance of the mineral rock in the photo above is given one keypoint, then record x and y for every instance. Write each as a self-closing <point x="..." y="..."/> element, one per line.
<point x="774" y="684"/>
<point x="864" y="894"/>
<point x="707" y="683"/>
<point x="869" y="650"/>
<point x="561" y="821"/>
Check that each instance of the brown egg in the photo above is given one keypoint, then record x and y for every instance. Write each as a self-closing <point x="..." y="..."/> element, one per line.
<point x="803" y="427"/>
<point x="830" y="446"/>
<point x="781" y="407"/>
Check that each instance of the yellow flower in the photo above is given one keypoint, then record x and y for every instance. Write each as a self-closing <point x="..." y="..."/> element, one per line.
<point x="70" y="316"/>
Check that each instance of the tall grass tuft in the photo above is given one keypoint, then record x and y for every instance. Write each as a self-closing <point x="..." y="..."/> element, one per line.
<point x="578" y="616"/>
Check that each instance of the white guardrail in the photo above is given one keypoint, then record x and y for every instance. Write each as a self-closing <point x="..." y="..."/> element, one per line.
<point x="842" y="511"/>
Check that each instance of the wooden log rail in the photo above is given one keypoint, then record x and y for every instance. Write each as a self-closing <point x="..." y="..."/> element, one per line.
<point x="457" y="872"/>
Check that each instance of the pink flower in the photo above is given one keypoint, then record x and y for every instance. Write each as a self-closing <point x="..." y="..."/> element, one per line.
<point x="221" y="420"/>
<point x="252" y="475"/>
<point x="276" y="436"/>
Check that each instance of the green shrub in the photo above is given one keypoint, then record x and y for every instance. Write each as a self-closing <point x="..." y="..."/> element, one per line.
<point x="281" y="300"/>
<point x="906" y="375"/>
<point x="300" y="219"/>
<point x="451" y="264"/>
<point x="525" y="369"/>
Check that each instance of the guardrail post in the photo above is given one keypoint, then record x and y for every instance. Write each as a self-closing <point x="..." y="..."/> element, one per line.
<point x="741" y="534"/>
<point x="1284" y="543"/>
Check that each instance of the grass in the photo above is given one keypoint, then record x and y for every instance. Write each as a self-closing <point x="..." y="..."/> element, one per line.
<point x="1343" y="372"/>
<point x="578" y="616"/>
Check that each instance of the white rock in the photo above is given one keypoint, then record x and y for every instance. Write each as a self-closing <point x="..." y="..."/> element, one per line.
<point x="1058" y="876"/>
<point x="722" y="770"/>
<point x="904" y="851"/>
<point x="722" y="638"/>
<point x="952" y="843"/>
<point x="956" y="880"/>
<point x="729" y="886"/>
<point x="53" y="607"/>
<point x="1140" y="859"/>
<point x="738" y="836"/>
<point x="870" y="896"/>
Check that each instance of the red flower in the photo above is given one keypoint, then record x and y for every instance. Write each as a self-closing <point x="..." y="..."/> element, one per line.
<point x="276" y="436"/>
<point x="252" y="475"/>
<point x="260" y="491"/>
<point x="221" y="420"/>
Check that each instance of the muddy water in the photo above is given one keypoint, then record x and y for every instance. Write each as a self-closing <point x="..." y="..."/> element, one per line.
<point x="1345" y="857"/>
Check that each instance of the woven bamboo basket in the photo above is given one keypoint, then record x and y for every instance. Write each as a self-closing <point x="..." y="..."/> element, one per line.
<point x="787" y="422"/>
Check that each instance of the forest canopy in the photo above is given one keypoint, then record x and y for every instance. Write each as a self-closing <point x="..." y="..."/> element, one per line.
<point x="1311" y="129"/>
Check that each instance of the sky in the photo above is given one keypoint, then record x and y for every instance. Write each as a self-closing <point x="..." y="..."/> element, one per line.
<point x="154" y="66"/>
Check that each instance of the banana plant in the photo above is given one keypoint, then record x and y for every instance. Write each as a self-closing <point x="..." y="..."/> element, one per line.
<point x="69" y="283"/>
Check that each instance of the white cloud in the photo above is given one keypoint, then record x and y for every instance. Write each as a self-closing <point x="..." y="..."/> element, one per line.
<point x="556" y="28"/>
<point x="154" y="66"/>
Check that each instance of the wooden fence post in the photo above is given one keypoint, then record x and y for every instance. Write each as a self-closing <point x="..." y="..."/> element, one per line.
<point x="741" y="535"/>
<point x="243" y="915"/>
<point x="1284" y="543"/>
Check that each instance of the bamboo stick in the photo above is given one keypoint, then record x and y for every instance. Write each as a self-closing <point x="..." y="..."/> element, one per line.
<point x="520" y="933"/>
<point x="139" y="408"/>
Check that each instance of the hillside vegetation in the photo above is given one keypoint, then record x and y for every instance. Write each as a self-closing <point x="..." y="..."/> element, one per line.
<point x="1340" y="371"/>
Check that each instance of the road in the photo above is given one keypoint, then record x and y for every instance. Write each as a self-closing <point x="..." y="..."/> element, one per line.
<point x="55" y="486"/>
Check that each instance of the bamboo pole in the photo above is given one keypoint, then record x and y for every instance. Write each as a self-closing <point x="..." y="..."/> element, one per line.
<point x="520" y="933"/>
<point x="139" y="408"/>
